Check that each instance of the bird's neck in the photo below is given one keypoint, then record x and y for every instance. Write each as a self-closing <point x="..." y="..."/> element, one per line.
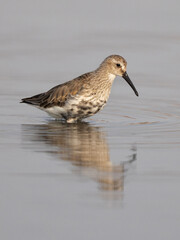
<point x="102" y="83"/>
<point x="111" y="77"/>
<point x="104" y="75"/>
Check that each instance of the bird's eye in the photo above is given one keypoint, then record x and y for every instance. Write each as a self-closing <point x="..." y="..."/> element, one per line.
<point x="118" y="65"/>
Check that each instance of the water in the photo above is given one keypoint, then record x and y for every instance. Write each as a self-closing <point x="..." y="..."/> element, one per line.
<point x="118" y="173"/>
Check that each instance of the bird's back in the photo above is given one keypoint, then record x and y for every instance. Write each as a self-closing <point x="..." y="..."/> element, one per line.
<point x="58" y="95"/>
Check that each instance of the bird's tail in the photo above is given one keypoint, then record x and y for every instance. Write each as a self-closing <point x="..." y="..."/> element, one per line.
<point x="34" y="100"/>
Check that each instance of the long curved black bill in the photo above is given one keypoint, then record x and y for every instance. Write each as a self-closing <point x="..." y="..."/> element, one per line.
<point x="128" y="80"/>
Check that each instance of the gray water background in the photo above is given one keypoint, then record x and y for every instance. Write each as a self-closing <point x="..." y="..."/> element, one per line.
<point x="118" y="174"/>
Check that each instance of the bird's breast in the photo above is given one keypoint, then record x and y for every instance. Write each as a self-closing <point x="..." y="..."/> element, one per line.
<point x="85" y="106"/>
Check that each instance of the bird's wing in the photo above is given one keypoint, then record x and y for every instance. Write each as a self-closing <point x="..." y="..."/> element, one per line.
<point x="57" y="96"/>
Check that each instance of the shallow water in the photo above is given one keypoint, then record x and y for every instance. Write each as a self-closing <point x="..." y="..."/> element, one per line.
<point x="117" y="174"/>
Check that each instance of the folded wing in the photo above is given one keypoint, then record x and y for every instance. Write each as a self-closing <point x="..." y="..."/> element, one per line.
<point x="57" y="96"/>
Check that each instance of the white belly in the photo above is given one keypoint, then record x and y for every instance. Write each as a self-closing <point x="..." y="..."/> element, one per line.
<point x="77" y="108"/>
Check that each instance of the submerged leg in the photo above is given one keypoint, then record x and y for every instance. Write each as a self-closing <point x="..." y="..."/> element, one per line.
<point x="71" y="120"/>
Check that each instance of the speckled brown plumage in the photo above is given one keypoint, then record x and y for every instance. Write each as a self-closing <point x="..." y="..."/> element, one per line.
<point x="84" y="95"/>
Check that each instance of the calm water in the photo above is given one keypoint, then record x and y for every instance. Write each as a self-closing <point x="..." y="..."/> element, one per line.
<point x="116" y="175"/>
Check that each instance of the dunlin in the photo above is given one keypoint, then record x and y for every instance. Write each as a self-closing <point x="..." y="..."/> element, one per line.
<point x="83" y="96"/>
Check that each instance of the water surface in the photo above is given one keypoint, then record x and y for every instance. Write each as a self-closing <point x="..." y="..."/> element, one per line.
<point x="115" y="175"/>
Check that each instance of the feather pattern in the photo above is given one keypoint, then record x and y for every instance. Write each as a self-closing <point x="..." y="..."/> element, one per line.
<point x="83" y="96"/>
<point x="58" y="95"/>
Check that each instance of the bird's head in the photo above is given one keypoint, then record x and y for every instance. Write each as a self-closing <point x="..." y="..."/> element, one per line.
<point x="116" y="65"/>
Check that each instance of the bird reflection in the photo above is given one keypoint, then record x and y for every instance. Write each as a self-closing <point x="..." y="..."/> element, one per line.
<point x="84" y="146"/>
